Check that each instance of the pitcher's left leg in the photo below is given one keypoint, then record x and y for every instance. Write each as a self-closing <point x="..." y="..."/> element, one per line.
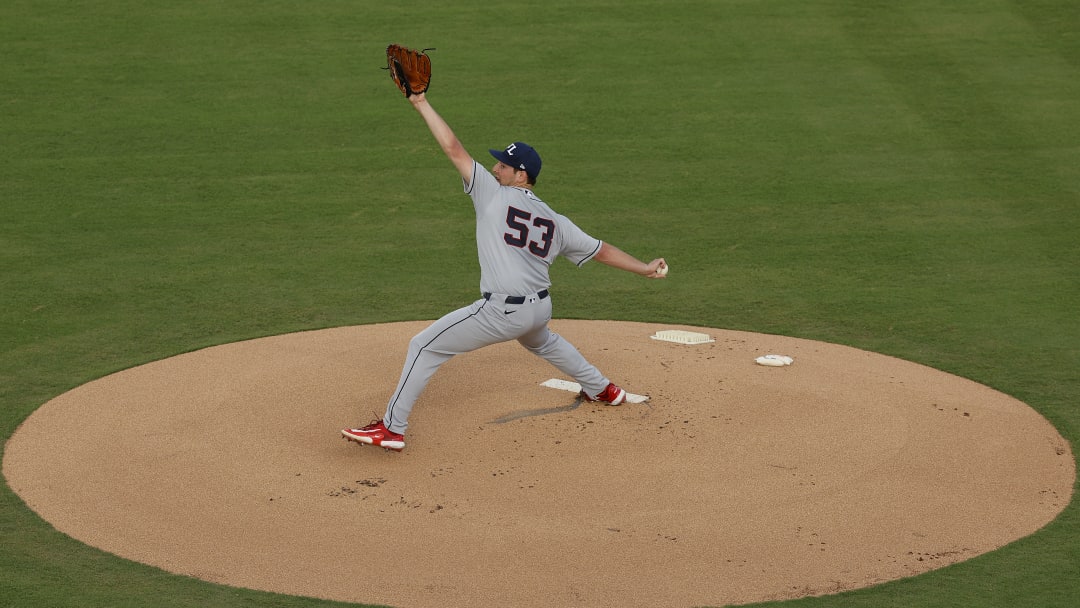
<point x="460" y="331"/>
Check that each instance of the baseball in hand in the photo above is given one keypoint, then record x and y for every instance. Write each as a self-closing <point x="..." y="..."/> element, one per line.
<point x="662" y="271"/>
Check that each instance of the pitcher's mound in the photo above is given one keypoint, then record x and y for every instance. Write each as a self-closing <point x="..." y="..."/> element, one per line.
<point x="735" y="482"/>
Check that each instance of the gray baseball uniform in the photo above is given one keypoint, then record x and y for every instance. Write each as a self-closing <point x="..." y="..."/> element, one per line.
<point x="518" y="236"/>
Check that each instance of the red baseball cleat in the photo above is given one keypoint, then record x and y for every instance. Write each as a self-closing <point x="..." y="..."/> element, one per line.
<point x="612" y="395"/>
<point x="377" y="434"/>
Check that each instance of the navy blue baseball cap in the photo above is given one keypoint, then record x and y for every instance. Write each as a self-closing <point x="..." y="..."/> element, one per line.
<point x="520" y="155"/>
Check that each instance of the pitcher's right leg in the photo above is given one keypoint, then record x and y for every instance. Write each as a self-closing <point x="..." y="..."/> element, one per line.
<point x="559" y="352"/>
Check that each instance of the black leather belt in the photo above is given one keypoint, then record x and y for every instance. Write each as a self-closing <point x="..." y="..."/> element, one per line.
<point x="518" y="299"/>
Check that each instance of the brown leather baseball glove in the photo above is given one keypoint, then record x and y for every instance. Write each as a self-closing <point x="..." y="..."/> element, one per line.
<point x="411" y="70"/>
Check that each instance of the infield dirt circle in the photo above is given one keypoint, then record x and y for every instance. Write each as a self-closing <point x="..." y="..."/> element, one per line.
<point x="735" y="483"/>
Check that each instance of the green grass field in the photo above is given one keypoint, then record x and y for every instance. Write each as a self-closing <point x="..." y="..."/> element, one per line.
<point x="899" y="177"/>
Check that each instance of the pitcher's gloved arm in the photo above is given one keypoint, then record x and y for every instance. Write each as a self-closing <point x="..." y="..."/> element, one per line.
<point x="449" y="142"/>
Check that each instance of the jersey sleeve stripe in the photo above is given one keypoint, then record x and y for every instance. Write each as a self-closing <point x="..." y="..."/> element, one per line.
<point x="592" y="254"/>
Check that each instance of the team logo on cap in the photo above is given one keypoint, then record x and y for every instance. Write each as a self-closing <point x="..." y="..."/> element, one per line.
<point x="510" y="152"/>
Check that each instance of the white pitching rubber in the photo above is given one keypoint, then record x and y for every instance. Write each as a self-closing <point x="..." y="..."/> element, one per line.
<point x="574" y="387"/>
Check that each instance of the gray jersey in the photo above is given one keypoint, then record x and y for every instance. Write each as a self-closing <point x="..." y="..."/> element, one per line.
<point x="518" y="236"/>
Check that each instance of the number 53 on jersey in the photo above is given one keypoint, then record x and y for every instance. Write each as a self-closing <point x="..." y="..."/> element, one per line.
<point x="521" y="224"/>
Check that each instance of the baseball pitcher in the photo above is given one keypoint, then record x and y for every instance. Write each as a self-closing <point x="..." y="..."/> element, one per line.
<point x="518" y="236"/>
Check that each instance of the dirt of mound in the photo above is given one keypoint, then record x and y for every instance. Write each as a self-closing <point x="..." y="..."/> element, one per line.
<point x="736" y="482"/>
